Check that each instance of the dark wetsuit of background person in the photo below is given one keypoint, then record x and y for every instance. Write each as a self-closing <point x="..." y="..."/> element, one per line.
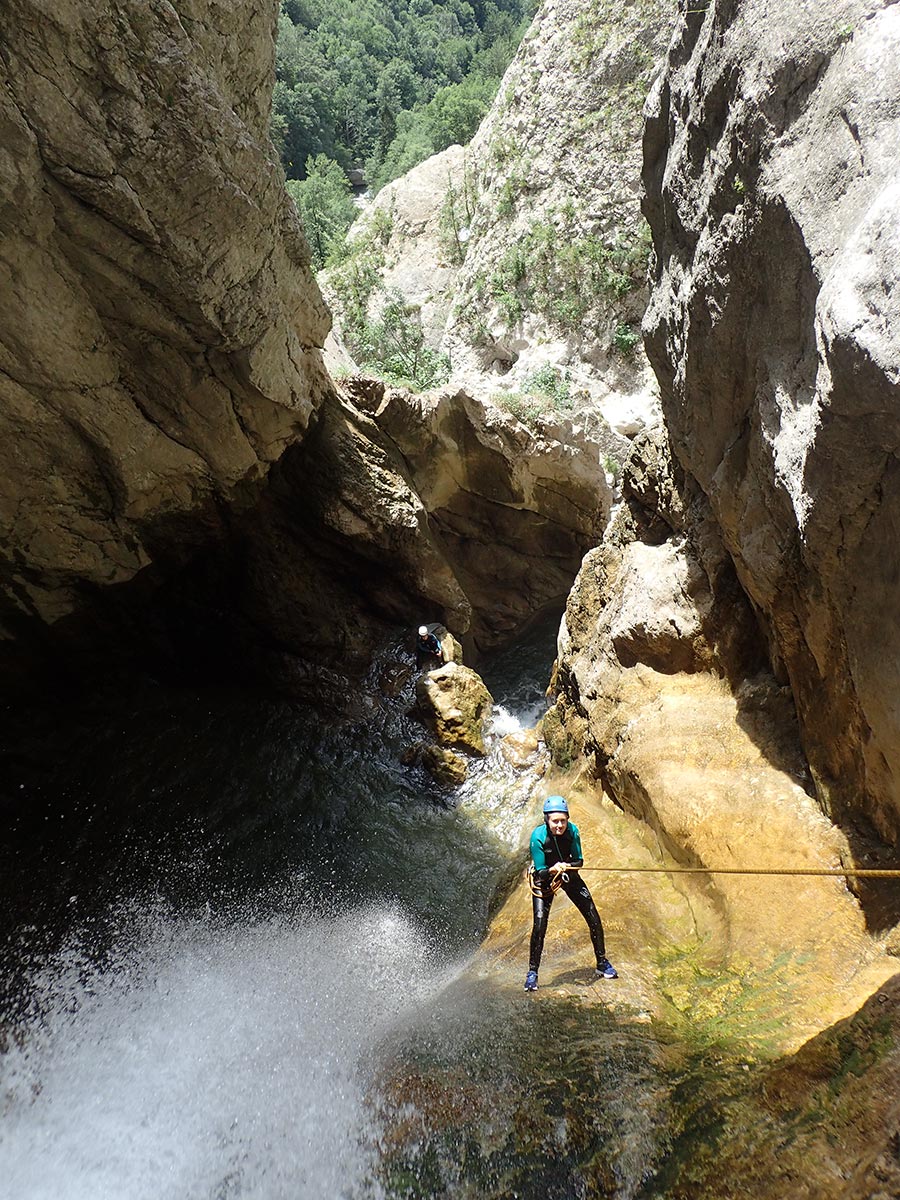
<point x="547" y="849"/>
<point x="428" y="650"/>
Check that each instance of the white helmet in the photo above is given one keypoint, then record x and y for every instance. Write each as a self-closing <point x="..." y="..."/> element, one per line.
<point x="423" y="630"/>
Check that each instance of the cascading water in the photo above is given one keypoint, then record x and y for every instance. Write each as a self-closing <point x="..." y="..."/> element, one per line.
<point x="241" y="961"/>
<point x="210" y="1057"/>
<point x="200" y="1005"/>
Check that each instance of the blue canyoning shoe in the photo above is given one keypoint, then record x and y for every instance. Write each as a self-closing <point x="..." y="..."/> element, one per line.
<point x="531" y="981"/>
<point x="605" y="970"/>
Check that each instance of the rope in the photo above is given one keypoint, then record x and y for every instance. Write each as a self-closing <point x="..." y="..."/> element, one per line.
<point x="856" y="872"/>
<point x="556" y="882"/>
<point x="839" y="872"/>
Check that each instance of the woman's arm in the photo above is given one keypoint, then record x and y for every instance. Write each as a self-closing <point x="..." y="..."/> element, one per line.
<point x="577" y="852"/>
<point x="538" y="857"/>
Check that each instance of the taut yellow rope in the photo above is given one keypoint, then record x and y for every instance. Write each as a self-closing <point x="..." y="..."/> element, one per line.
<point x="856" y="872"/>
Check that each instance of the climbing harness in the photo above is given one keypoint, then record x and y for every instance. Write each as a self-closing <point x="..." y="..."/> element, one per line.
<point x="559" y="878"/>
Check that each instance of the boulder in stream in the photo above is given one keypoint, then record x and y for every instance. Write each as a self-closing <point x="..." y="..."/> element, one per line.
<point x="455" y="702"/>
<point x="445" y="764"/>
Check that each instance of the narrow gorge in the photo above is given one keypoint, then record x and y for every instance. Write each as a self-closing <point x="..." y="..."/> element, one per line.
<point x="265" y="926"/>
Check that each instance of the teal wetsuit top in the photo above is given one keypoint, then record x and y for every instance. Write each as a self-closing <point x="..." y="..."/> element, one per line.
<point x="547" y="849"/>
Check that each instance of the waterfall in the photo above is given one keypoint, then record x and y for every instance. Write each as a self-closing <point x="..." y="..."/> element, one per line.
<point x="214" y="1016"/>
<point x="211" y="1057"/>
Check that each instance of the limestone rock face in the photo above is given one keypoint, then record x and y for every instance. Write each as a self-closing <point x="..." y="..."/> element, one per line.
<point x="556" y="170"/>
<point x="526" y="251"/>
<point x="419" y="253"/>
<point x="774" y="328"/>
<point x="513" y="508"/>
<point x="159" y="321"/>
<point x="338" y="552"/>
<point x="455" y="701"/>
<point x="663" y="685"/>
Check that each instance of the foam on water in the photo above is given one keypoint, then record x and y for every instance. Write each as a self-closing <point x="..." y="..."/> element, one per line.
<point x="504" y="722"/>
<point x="517" y="713"/>
<point x="209" y="1059"/>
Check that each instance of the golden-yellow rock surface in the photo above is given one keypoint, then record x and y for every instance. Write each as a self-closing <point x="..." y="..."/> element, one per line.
<point x="455" y="702"/>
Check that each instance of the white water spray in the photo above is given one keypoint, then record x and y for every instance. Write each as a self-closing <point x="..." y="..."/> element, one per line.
<point x="208" y="1060"/>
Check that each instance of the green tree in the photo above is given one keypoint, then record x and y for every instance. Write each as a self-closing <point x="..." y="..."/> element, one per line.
<point x="455" y="113"/>
<point x="325" y="206"/>
<point x="394" y="347"/>
<point x="412" y="144"/>
<point x="349" y="71"/>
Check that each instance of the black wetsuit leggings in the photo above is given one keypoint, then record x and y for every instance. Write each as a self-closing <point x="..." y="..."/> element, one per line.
<point x="578" y="893"/>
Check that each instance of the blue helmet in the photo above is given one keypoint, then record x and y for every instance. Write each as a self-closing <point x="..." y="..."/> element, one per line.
<point x="555" y="804"/>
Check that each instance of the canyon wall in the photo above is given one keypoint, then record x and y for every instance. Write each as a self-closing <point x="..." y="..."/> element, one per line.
<point x="525" y="252"/>
<point x="159" y="323"/>
<point x="554" y="271"/>
<point x="770" y="172"/>
<point x="180" y="483"/>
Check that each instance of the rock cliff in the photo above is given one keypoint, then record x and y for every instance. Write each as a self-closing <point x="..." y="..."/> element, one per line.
<point x="555" y="267"/>
<point x="770" y="170"/>
<point x="159" y="324"/>
<point x="526" y="251"/>
<point x="665" y="689"/>
<point x="420" y="251"/>
<point x="181" y="482"/>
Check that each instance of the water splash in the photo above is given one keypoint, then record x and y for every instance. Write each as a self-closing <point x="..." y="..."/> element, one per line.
<point x="210" y="1058"/>
<point x="504" y="722"/>
<point x="214" y="1052"/>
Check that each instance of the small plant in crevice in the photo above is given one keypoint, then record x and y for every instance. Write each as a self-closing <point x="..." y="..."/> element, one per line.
<point x="456" y="216"/>
<point x="545" y="392"/>
<point x="381" y="224"/>
<point x="626" y="338"/>
<point x="526" y="409"/>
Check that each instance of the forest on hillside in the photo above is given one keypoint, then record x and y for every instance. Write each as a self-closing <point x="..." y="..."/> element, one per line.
<point x="382" y="84"/>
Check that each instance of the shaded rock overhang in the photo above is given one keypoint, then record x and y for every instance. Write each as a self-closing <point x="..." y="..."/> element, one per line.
<point x="159" y="324"/>
<point x="183" y="488"/>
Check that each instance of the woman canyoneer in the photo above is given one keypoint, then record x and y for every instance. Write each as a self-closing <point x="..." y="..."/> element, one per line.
<point x="556" y="856"/>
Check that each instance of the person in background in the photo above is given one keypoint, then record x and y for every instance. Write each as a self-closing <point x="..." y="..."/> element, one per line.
<point x="428" y="648"/>
<point x="555" y="858"/>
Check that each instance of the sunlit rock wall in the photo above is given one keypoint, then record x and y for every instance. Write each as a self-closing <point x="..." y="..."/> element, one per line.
<point x="555" y="263"/>
<point x="771" y="174"/>
<point x="665" y="695"/>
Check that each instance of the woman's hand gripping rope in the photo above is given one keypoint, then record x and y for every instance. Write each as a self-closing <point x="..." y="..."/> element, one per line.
<point x="559" y="873"/>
